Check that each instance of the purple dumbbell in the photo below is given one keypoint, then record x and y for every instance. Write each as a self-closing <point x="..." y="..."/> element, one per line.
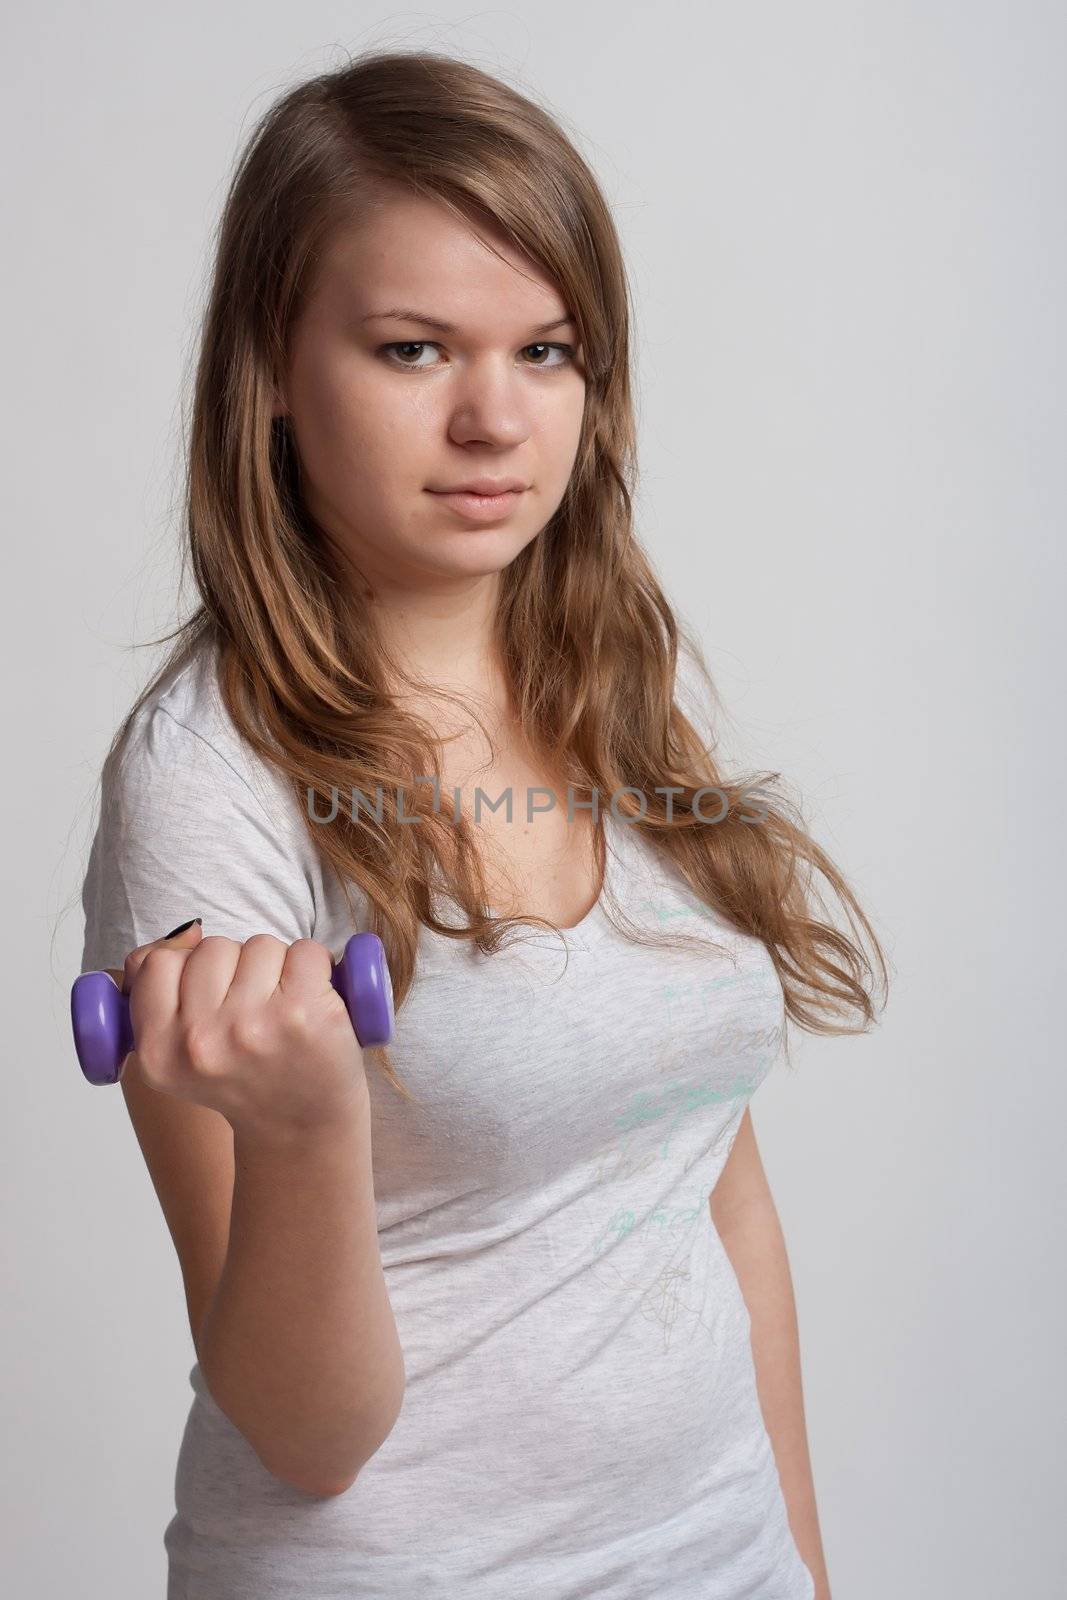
<point x="100" y="1012"/>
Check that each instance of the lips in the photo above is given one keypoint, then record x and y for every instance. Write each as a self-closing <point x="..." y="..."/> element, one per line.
<point x="479" y="507"/>
<point x="484" y="485"/>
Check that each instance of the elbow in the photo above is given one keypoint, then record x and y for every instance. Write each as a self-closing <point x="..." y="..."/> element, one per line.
<point x="315" y="1487"/>
<point x="329" y="1492"/>
<point x="329" y="1488"/>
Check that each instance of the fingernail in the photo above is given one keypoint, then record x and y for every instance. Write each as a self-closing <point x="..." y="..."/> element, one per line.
<point x="181" y="929"/>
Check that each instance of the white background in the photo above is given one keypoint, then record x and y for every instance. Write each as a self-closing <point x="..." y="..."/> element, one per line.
<point x="845" y="229"/>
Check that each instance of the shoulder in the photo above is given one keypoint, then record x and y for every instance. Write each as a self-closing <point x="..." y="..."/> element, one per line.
<point x="182" y="742"/>
<point x="194" y="822"/>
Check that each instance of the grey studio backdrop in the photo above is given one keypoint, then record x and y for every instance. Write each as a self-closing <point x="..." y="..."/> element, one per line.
<point x="845" y="229"/>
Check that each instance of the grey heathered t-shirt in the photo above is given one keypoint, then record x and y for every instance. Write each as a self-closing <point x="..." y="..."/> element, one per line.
<point x="580" y="1416"/>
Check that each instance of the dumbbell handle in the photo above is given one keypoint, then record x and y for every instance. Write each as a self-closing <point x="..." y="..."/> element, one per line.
<point x="100" y="1012"/>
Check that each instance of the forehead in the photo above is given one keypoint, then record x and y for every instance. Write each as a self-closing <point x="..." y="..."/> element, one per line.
<point x="414" y="252"/>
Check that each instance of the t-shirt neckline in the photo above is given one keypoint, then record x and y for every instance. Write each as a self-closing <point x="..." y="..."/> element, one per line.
<point x="588" y="932"/>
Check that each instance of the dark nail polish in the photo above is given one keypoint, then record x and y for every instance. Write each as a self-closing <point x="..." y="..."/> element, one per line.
<point x="175" y="931"/>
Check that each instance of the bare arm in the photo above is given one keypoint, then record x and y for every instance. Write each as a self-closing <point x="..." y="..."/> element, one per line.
<point x="298" y="1345"/>
<point x="744" y="1213"/>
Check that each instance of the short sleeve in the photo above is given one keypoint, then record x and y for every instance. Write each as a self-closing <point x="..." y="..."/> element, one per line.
<point x="182" y="833"/>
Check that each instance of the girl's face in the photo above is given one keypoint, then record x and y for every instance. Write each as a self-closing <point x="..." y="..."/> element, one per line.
<point x="388" y="409"/>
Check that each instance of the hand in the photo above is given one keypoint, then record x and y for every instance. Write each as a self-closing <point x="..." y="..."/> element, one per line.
<point x="255" y="1031"/>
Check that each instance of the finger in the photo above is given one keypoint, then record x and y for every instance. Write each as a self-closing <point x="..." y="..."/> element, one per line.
<point x="258" y="968"/>
<point x="185" y="937"/>
<point x="308" y="968"/>
<point x="155" y="989"/>
<point x="207" y="976"/>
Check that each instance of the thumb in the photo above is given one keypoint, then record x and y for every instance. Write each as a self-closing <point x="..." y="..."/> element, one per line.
<point x="186" y="936"/>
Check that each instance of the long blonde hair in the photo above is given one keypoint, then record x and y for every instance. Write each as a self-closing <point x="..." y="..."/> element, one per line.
<point x="585" y="633"/>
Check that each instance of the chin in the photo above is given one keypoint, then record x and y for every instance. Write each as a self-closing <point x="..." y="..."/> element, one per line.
<point x="482" y="550"/>
<point x="479" y="551"/>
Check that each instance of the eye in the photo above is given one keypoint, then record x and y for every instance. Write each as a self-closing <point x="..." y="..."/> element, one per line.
<point x="566" y="350"/>
<point x="386" y="352"/>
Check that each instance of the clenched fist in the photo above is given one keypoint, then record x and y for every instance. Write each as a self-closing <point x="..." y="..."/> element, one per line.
<point x="256" y="1030"/>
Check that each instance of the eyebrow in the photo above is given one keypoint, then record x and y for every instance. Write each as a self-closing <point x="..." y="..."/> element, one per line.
<point x="405" y="314"/>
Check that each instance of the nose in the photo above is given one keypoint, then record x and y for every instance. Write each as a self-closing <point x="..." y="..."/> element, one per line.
<point x="490" y="407"/>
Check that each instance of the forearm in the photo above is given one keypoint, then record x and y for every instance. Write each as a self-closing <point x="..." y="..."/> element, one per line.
<point x="754" y="1242"/>
<point x="299" y="1346"/>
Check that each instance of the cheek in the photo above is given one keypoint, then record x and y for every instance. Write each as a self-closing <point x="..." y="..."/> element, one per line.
<point x="566" y="438"/>
<point x="347" y="430"/>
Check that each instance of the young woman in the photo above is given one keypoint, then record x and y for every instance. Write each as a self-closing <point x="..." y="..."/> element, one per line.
<point x="503" y="1308"/>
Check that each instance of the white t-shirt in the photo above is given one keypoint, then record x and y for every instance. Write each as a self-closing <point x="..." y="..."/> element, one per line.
<point x="580" y="1415"/>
